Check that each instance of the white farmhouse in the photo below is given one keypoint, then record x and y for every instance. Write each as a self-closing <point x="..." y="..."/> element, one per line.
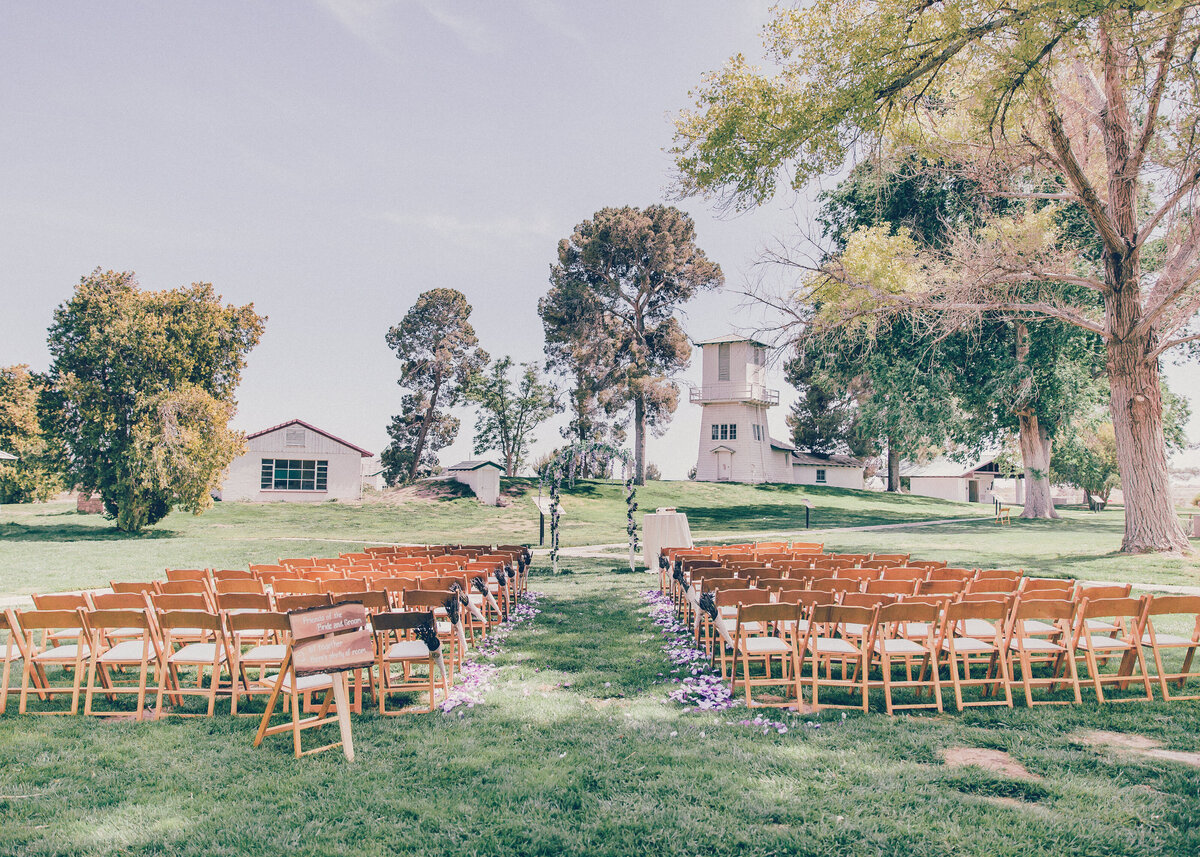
<point x="735" y="442"/>
<point x="296" y="462"/>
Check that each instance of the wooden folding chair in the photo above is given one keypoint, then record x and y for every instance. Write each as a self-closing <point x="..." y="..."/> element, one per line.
<point x="1005" y="573"/>
<point x="289" y="603"/>
<point x="61" y="601"/>
<point x="138" y="601"/>
<point x="895" y="559"/>
<point x="860" y="574"/>
<point x="180" y="627"/>
<point x="940" y="587"/>
<point x="144" y="652"/>
<point x="295" y="687"/>
<point x="132" y="587"/>
<point x="183" y="587"/>
<point x="891" y="587"/>
<point x="337" y="586"/>
<point x="14" y="650"/>
<point x="257" y="642"/>
<point x="177" y="574"/>
<point x="893" y="636"/>
<point x="753" y="646"/>
<point x="1124" y="614"/>
<point x="904" y="572"/>
<point x="448" y="632"/>
<point x="69" y="657"/>
<point x="256" y="570"/>
<point x="299" y="586"/>
<point x="248" y="586"/>
<point x="299" y="562"/>
<point x="980" y="650"/>
<point x="997" y="585"/>
<point x="1024" y="647"/>
<point x="823" y="646"/>
<point x="807" y="547"/>
<point x="242" y="574"/>
<point x="1166" y="645"/>
<point x="399" y="640"/>
<point x="927" y="564"/>
<point x="961" y="574"/>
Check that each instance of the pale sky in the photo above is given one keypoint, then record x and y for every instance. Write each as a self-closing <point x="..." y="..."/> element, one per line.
<point x="330" y="160"/>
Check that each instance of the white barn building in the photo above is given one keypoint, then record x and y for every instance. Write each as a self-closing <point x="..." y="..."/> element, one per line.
<point x="735" y="442"/>
<point x="482" y="476"/>
<point x="296" y="462"/>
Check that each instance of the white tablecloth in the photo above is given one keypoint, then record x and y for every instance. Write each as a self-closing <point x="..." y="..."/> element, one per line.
<point x="664" y="530"/>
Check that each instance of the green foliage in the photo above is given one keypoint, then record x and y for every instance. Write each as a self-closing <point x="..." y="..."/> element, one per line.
<point x="609" y="317"/>
<point x="141" y="391"/>
<point x="509" y="414"/>
<point x="439" y="358"/>
<point x="33" y="476"/>
<point x="399" y="459"/>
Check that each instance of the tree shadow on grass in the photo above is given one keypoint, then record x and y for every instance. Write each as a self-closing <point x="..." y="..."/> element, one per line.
<point x="780" y="516"/>
<point x="76" y="533"/>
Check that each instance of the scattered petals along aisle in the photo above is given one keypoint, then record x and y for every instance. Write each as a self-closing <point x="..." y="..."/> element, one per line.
<point x="478" y="674"/>
<point x="700" y="688"/>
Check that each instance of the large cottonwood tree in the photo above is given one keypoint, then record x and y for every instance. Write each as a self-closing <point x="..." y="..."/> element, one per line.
<point x="610" y="313"/>
<point x="1091" y="104"/>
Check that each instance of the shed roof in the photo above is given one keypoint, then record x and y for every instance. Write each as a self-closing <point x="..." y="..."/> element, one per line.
<point x="474" y="465"/>
<point x="7" y="456"/>
<point x="817" y="459"/>
<point x="781" y="444"/>
<point x="731" y="337"/>
<point x="946" y="467"/>
<point x="311" y="427"/>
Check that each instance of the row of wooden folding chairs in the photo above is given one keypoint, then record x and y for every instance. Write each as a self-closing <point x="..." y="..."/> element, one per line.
<point x="241" y="637"/>
<point x="998" y="638"/>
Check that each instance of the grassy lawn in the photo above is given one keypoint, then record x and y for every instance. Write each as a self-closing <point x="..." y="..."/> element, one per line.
<point x="49" y="547"/>
<point x="577" y="751"/>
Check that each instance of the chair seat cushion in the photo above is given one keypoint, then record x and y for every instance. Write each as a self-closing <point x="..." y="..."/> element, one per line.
<point x="1098" y="643"/>
<point x="899" y="647"/>
<point x="270" y="653"/>
<point x="833" y="646"/>
<point x="64" y="654"/>
<point x="198" y="653"/>
<point x="916" y="630"/>
<point x="853" y="629"/>
<point x="113" y="633"/>
<point x="977" y="628"/>
<point x="1169" y="640"/>
<point x="748" y="627"/>
<point x="1033" y="644"/>
<point x="407" y="649"/>
<point x="765" y="646"/>
<point x="320" y="681"/>
<point x="1036" y="626"/>
<point x="1101" y="625"/>
<point x="129" y="651"/>
<point x="968" y="644"/>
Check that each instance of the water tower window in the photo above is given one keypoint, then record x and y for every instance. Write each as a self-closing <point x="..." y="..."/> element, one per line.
<point x="723" y="361"/>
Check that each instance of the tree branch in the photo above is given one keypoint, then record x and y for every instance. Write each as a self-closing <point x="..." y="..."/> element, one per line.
<point x="1185" y="187"/>
<point x="1156" y="93"/>
<point x="1171" y="344"/>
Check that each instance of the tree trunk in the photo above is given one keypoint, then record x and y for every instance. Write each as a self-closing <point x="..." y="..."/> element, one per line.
<point x="893" y="468"/>
<point x="1151" y="523"/>
<point x="1035" y="457"/>
<point x="420" y="446"/>
<point x="639" y="440"/>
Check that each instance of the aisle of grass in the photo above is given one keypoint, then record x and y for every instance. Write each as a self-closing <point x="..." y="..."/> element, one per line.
<point x="576" y="751"/>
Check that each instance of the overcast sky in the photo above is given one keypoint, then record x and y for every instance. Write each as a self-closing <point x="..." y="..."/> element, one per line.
<point x="330" y="160"/>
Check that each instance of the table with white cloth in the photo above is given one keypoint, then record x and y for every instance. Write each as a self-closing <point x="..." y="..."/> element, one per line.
<point x="664" y="528"/>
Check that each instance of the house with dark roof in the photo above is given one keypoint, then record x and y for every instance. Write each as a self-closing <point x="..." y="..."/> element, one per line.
<point x="296" y="462"/>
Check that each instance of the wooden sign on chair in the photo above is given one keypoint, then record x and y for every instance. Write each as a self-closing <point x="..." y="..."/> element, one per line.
<point x="326" y="643"/>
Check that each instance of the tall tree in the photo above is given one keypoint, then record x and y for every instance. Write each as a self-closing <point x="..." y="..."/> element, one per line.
<point x="141" y="391"/>
<point x="509" y="413"/>
<point x="399" y="459"/>
<point x="610" y="311"/>
<point x="33" y="476"/>
<point x="439" y="356"/>
<point x="1080" y="103"/>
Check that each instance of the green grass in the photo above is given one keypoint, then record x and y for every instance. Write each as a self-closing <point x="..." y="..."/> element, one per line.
<point x="48" y="547"/>
<point x="573" y="753"/>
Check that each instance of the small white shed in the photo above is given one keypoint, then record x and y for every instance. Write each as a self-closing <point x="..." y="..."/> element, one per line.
<point x="482" y="476"/>
<point x="966" y="482"/>
<point x="295" y="462"/>
<point x="7" y="456"/>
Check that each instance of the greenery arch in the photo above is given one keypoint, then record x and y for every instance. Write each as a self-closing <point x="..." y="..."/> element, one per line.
<point x="571" y="461"/>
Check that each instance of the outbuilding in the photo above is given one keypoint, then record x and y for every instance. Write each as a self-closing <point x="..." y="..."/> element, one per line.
<point x="967" y="481"/>
<point x="482" y="476"/>
<point x="296" y="462"/>
<point x="837" y="471"/>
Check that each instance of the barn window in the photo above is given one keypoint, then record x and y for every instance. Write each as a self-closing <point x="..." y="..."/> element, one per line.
<point x="820" y="474"/>
<point x="294" y="437"/>
<point x="290" y="474"/>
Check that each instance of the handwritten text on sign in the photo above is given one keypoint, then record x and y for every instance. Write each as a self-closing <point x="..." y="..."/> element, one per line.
<point x="320" y="621"/>
<point x="334" y="654"/>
